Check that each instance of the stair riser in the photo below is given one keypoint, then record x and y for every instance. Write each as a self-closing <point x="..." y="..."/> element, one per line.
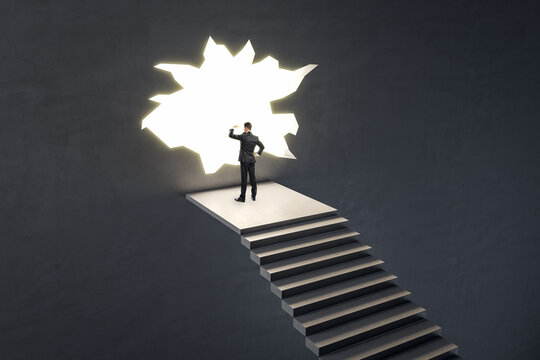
<point x="324" y="282"/>
<point x="360" y="337"/>
<point x="329" y="301"/>
<point x="292" y="236"/>
<point x="301" y="251"/>
<point x="306" y="331"/>
<point x="402" y="347"/>
<point x="312" y="266"/>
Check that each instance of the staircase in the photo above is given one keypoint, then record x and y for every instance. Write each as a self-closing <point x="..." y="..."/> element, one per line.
<point x="338" y="295"/>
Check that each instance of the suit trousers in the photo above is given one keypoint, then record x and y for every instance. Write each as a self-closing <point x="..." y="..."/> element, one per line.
<point x="245" y="169"/>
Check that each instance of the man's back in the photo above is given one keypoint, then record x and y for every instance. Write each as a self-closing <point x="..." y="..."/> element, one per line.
<point x="247" y="146"/>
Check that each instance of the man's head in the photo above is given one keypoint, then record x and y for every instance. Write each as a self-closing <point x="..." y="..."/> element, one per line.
<point x="247" y="127"/>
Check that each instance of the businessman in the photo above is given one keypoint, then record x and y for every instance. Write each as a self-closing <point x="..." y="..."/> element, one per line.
<point x="248" y="141"/>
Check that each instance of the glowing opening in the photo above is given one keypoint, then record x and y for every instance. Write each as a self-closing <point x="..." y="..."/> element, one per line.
<point x="226" y="90"/>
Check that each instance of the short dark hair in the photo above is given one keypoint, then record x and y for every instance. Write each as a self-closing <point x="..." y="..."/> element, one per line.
<point x="248" y="125"/>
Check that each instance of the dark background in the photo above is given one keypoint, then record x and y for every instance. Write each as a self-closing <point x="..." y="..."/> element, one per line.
<point x="420" y="124"/>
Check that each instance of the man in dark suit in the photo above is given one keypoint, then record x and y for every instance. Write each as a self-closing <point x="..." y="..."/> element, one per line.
<point x="247" y="159"/>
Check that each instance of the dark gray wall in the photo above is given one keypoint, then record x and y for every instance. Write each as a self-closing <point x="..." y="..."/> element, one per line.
<point x="420" y="124"/>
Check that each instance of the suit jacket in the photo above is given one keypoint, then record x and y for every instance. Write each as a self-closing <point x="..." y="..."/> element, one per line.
<point x="247" y="146"/>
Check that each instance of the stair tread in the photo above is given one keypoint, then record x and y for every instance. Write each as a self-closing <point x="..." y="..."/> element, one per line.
<point x="349" y="306"/>
<point x="326" y="272"/>
<point x="302" y="242"/>
<point x="425" y="351"/>
<point x="249" y="240"/>
<point x="314" y="257"/>
<point x="364" y="324"/>
<point x="292" y="228"/>
<point x="338" y="288"/>
<point x="383" y="342"/>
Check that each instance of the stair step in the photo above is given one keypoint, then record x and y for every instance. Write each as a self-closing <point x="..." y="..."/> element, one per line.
<point x="386" y="344"/>
<point x="294" y="231"/>
<point x="437" y="348"/>
<point x="333" y="315"/>
<point x="297" y="284"/>
<point x="291" y="248"/>
<point x="316" y="260"/>
<point x="363" y="328"/>
<point x="331" y="294"/>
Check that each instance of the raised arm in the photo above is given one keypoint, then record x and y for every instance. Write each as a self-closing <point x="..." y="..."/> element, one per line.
<point x="232" y="136"/>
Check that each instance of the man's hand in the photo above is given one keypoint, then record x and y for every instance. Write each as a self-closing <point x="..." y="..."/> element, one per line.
<point x="256" y="155"/>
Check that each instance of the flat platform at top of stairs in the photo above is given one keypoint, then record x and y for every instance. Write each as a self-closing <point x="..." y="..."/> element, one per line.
<point x="276" y="205"/>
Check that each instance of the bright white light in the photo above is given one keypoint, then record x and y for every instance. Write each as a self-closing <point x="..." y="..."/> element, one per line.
<point x="226" y="90"/>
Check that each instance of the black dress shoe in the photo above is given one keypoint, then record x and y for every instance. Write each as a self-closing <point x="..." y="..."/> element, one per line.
<point x="253" y="197"/>
<point x="240" y="199"/>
